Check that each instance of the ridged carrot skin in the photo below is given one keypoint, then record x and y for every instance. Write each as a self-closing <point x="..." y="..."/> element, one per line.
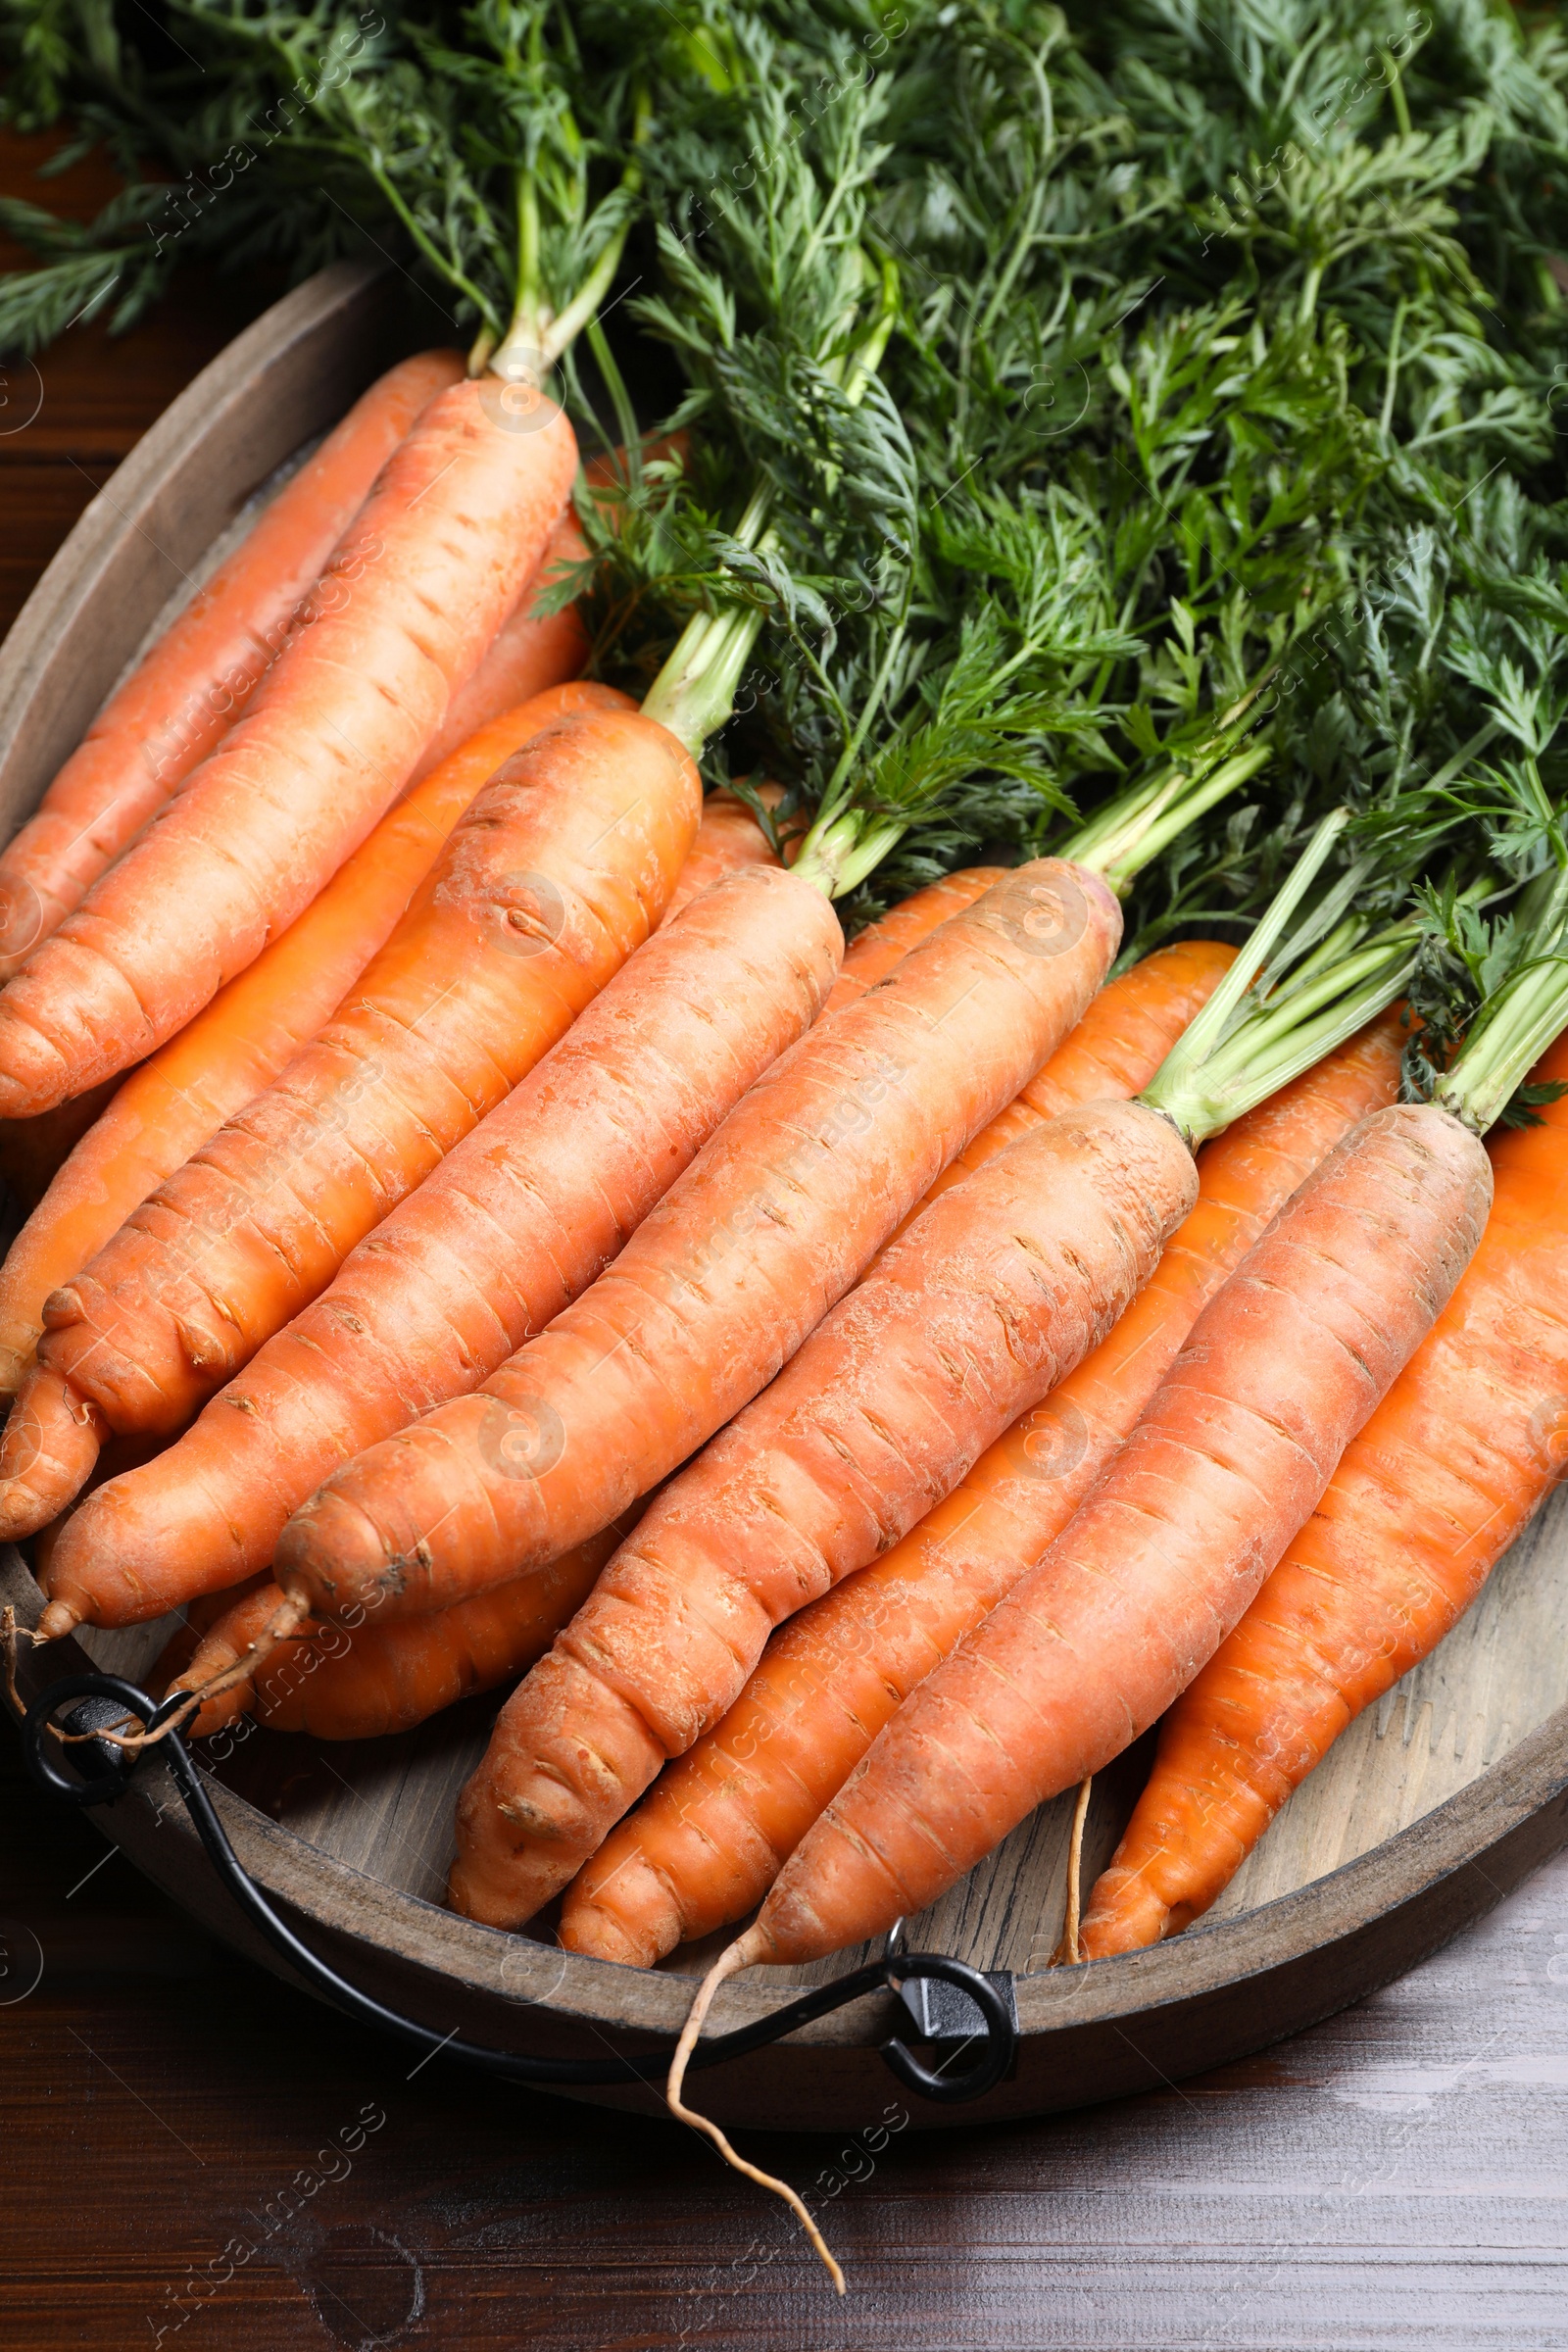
<point x="1279" y="1372"/>
<point x="239" y="1043"/>
<point x="1115" y="1048"/>
<point x="435" y="560"/>
<point x="708" y="1842"/>
<point x="531" y="652"/>
<point x="389" y="1678"/>
<point x="1462" y="1451"/>
<point x="990" y="1299"/>
<point x="513" y="1224"/>
<point x="773" y="1222"/>
<point x="185" y="696"/>
<point x="531" y="649"/>
<point x="116" y="1456"/>
<point x="556" y="873"/>
<point x="872" y="952"/>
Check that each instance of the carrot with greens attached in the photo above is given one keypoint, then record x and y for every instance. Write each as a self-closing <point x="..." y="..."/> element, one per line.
<point x="1284" y="1363"/>
<point x="1089" y="1647"/>
<point x="185" y="694"/>
<point x="896" y="1394"/>
<point x="436" y="558"/>
<point x="774" y="1221"/>
<point x="554" y="874"/>
<point x="709" y="1840"/>
<point x="534" y="649"/>
<point x="515" y="1222"/>
<point x="1462" y="1451"/>
<point x="1282" y="1370"/>
<point x="147" y="1356"/>
<point x="166" y="1110"/>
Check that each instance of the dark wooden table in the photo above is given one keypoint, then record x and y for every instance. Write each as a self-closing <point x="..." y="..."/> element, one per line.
<point x="195" y="2155"/>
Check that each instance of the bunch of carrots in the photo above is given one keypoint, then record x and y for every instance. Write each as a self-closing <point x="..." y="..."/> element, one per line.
<point x="847" y="1389"/>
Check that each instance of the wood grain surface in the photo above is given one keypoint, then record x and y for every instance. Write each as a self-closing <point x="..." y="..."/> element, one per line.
<point x="195" y="2153"/>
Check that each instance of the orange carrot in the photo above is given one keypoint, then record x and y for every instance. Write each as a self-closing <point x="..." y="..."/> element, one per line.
<point x="534" y="650"/>
<point x="516" y="1221"/>
<point x="1448" y="1471"/>
<point x="728" y="839"/>
<point x="531" y="652"/>
<point x="872" y="952"/>
<point x="389" y="1678"/>
<point x="742" y="1259"/>
<point x="436" y="558"/>
<point x="1115" y="1048"/>
<point x="196" y="1622"/>
<point x="1280" y="1369"/>
<point x="708" y="1842"/>
<point x="183" y="697"/>
<point x="178" y="1099"/>
<point x="363" y="1683"/>
<point x="554" y="874"/>
<point x="231" y="1620"/>
<point x="991" y="1296"/>
<point x="117" y="1456"/>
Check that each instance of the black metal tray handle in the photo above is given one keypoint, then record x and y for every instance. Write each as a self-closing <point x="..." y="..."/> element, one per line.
<point x="102" y="1698"/>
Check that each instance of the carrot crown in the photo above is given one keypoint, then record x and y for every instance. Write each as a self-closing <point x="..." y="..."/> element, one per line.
<point x="1140" y="825"/>
<point x="1522" y="1014"/>
<point x="694" y="694"/>
<point x="1298" y="989"/>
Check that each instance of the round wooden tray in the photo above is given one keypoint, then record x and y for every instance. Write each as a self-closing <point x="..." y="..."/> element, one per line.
<point x="1433" y="1805"/>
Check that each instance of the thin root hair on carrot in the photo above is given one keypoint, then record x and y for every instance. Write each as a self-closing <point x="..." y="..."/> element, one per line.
<point x="9" y="1631"/>
<point x="1066" y="1953"/>
<point x="739" y="1954"/>
<point x="281" y="1629"/>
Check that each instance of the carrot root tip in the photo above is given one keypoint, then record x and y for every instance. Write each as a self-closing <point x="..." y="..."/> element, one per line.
<point x="1068" y="1953"/>
<point x="742" y="1953"/>
<point x="9" y="1632"/>
<point x="58" y="1619"/>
